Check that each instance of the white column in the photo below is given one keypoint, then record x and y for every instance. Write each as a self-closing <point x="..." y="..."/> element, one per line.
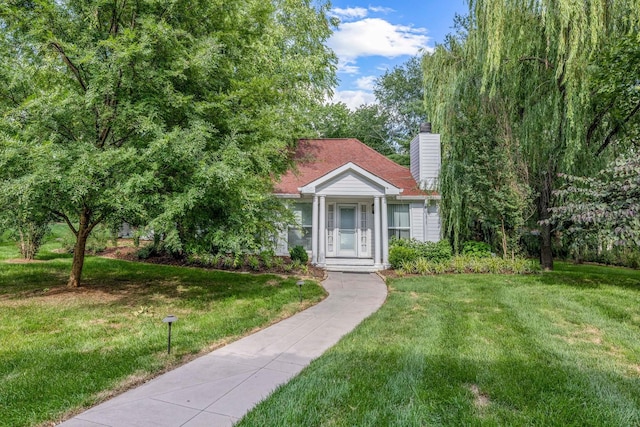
<point x="384" y="226"/>
<point x="314" y="231"/>
<point x="376" y="230"/>
<point x="322" y="231"/>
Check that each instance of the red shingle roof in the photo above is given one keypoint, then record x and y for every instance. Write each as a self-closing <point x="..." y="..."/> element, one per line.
<point x="315" y="158"/>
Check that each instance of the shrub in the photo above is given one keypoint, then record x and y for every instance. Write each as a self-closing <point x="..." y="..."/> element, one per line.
<point x="400" y="254"/>
<point x="228" y="261"/>
<point x="439" y="251"/>
<point x="476" y="249"/>
<point x="146" y="252"/>
<point x="468" y="264"/>
<point x="433" y="251"/>
<point x="278" y="263"/>
<point x="298" y="253"/>
<point x="267" y="259"/>
<point x="253" y="262"/>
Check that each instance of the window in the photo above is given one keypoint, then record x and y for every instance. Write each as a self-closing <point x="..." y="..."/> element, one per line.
<point x="432" y="206"/>
<point x="300" y="234"/>
<point x="398" y="221"/>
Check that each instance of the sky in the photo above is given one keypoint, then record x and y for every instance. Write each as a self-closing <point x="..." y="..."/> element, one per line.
<point x="374" y="36"/>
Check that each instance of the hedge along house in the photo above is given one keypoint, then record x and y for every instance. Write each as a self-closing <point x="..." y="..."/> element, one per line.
<point x="350" y="200"/>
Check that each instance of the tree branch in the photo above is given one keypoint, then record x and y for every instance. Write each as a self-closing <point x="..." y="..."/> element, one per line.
<point x="616" y="129"/>
<point x="596" y="122"/>
<point x="72" y="67"/>
<point x="120" y="141"/>
<point x="94" y="223"/>
<point x="69" y="136"/>
<point x="67" y="220"/>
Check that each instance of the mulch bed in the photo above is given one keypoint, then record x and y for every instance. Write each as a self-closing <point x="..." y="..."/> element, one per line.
<point x="129" y="253"/>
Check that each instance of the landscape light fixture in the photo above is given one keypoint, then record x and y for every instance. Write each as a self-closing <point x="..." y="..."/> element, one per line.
<point x="169" y="320"/>
<point x="300" y="283"/>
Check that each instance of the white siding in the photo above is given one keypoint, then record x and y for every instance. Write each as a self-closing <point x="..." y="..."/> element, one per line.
<point x="350" y="184"/>
<point x="416" y="214"/>
<point x="429" y="160"/>
<point x="425" y="159"/>
<point x="432" y="213"/>
<point x="414" y="156"/>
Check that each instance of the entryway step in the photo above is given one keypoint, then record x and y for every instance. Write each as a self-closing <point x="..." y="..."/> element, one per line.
<point x="352" y="268"/>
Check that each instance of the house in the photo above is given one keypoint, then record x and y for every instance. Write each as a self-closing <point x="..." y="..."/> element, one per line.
<point x="350" y="200"/>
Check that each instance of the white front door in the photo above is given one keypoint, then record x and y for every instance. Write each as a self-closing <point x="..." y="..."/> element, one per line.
<point x="347" y="226"/>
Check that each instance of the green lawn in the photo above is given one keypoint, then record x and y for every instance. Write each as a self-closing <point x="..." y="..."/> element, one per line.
<point x="560" y="348"/>
<point x="64" y="349"/>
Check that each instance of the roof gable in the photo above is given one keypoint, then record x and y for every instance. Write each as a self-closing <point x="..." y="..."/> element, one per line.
<point x="348" y="169"/>
<point x="317" y="158"/>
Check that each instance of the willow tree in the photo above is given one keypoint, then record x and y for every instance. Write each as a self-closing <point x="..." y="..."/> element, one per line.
<point x="176" y="113"/>
<point x="526" y="69"/>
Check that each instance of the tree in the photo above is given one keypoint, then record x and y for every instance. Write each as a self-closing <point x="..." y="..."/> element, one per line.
<point x="389" y="124"/>
<point x="530" y="66"/>
<point x="400" y="94"/>
<point x="607" y="203"/>
<point x="368" y="123"/>
<point x="177" y="114"/>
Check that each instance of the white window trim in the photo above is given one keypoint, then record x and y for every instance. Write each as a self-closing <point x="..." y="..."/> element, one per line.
<point x="407" y="228"/>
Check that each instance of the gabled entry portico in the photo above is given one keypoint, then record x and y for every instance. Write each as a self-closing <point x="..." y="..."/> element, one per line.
<point x="349" y="210"/>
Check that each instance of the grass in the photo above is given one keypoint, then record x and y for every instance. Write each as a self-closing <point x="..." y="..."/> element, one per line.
<point x="559" y="348"/>
<point x="62" y="350"/>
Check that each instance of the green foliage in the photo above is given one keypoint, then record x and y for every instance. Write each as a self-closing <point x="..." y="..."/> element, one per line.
<point x="171" y="115"/>
<point x="400" y="94"/>
<point x="368" y="124"/>
<point x="520" y="93"/>
<point x="409" y="250"/>
<point x="267" y="258"/>
<point x="399" y="254"/>
<point x="388" y="125"/>
<point x="460" y="264"/>
<point x="434" y="251"/>
<point x="146" y="252"/>
<point x="476" y="249"/>
<point x="299" y="254"/>
<point x="606" y="205"/>
<point x="253" y="262"/>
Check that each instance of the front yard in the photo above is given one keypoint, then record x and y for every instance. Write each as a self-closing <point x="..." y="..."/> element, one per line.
<point x="559" y="348"/>
<point x="65" y="349"/>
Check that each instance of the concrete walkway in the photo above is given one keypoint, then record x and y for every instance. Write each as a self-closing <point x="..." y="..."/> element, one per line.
<point x="219" y="388"/>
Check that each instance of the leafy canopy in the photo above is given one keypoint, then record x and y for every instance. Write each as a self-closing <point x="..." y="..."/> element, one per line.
<point x="173" y="113"/>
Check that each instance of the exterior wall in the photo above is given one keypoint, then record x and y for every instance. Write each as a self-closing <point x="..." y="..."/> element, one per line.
<point x="425" y="159"/>
<point x="414" y="157"/>
<point x="416" y="218"/>
<point x="432" y="216"/>
<point x="349" y="184"/>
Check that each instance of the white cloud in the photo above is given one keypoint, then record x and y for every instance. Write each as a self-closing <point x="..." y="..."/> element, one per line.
<point x="353" y="98"/>
<point x="366" y="82"/>
<point x="381" y="9"/>
<point x="374" y="36"/>
<point x="349" y="13"/>
<point x="347" y="68"/>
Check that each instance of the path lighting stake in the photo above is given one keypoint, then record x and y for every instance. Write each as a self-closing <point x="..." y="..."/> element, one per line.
<point x="300" y="283"/>
<point x="169" y="319"/>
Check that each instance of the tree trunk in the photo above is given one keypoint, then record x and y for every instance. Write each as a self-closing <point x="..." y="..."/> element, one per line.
<point x="544" y="203"/>
<point x="78" y="251"/>
<point x="504" y="240"/>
